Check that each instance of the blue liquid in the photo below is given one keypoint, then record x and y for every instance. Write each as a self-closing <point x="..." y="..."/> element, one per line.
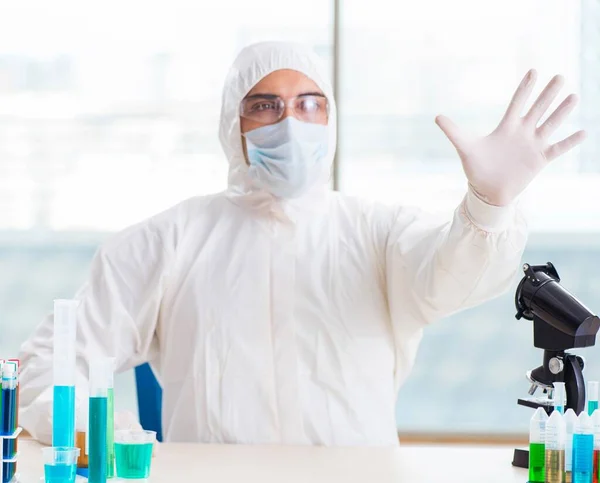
<point x="592" y="406"/>
<point x="133" y="460"/>
<point x="63" y="419"/>
<point x="9" y="411"/>
<point x="583" y="455"/>
<point x="97" y="458"/>
<point x="579" y="477"/>
<point x="60" y="473"/>
<point x="8" y="471"/>
<point x="9" y="449"/>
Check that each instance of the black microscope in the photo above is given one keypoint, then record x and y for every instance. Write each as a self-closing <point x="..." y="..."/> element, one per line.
<point x="560" y="322"/>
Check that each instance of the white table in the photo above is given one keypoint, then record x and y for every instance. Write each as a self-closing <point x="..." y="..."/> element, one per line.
<point x="279" y="464"/>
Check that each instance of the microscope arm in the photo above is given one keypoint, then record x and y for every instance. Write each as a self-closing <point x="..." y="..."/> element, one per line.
<point x="574" y="383"/>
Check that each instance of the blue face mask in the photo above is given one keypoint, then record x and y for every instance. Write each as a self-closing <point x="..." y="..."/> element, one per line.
<point x="286" y="158"/>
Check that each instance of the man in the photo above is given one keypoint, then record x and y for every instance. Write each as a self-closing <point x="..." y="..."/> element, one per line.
<point x="279" y="311"/>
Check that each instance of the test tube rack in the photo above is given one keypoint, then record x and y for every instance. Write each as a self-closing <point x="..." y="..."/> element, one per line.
<point x="9" y="458"/>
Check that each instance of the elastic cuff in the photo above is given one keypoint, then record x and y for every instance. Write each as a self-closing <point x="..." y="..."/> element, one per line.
<point x="489" y="218"/>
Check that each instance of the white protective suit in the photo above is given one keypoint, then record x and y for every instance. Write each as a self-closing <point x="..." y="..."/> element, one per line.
<point x="277" y="321"/>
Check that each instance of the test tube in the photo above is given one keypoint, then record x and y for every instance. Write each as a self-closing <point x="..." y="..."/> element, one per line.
<point x="9" y="408"/>
<point x="559" y="397"/>
<point x="15" y="441"/>
<point x="583" y="449"/>
<point x="592" y="397"/>
<point x="101" y="374"/>
<point x="570" y="420"/>
<point x="2" y="361"/>
<point x="555" y="448"/>
<point x="9" y="398"/>
<point x="110" y="423"/>
<point x="537" y="431"/>
<point x="596" y="423"/>
<point x="63" y="416"/>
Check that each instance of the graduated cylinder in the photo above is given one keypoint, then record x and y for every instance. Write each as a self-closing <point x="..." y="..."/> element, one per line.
<point x="63" y="419"/>
<point x="101" y="381"/>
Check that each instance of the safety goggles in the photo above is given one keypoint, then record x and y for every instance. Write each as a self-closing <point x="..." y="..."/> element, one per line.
<point x="269" y="109"/>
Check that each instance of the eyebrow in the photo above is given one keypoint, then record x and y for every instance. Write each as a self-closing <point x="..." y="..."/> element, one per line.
<point x="275" y="96"/>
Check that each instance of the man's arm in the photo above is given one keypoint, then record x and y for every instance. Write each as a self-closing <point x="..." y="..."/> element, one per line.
<point x="116" y="317"/>
<point x="436" y="270"/>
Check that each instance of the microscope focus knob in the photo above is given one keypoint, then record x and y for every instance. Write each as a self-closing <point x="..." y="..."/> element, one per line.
<point x="556" y="365"/>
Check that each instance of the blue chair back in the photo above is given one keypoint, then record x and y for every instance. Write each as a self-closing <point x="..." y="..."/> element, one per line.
<point x="149" y="395"/>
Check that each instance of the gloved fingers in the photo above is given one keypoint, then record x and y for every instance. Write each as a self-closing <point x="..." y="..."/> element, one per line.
<point x="453" y="133"/>
<point x="542" y="103"/>
<point x="561" y="147"/>
<point x="558" y="116"/>
<point x="520" y="96"/>
<point x="127" y="420"/>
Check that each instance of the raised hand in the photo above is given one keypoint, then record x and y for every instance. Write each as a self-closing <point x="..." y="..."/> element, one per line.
<point x="501" y="165"/>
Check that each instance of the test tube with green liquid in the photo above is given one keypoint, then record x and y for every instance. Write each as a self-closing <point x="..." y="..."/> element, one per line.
<point x="592" y="397"/>
<point x="537" y="448"/>
<point x="110" y="426"/>
<point x="570" y="420"/>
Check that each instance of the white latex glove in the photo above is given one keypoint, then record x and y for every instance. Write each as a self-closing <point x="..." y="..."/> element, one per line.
<point x="501" y="165"/>
<point x="127" y="420"/>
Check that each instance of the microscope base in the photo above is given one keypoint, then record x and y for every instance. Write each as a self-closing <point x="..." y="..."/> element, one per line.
<point x="521" y="458"/>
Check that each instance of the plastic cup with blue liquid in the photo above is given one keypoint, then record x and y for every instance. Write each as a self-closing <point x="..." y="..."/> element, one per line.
<point x="60" y="464"/>
<point x="133" y="453"/>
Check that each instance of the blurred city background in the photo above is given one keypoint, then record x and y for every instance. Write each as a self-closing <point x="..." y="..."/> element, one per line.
<point x="109" y="113"/>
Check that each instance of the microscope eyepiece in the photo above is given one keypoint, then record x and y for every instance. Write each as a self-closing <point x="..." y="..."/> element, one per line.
<point x="560" y="321"/>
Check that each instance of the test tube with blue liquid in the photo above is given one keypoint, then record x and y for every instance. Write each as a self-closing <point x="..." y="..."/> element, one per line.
<point x="2" y="361"/>
<point x="9" y="398"/>
<point x="63" y="418"/>
<point x="592" y="397"/>
<point x="9" y="406"/>
<point x="110" y="424"/>
<point x="558" y="398"/>
<point x="101" y="377"/>
<point x="583" y="449"/>
<point x="8" y="424"/>
<point x="17" y="364"/>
